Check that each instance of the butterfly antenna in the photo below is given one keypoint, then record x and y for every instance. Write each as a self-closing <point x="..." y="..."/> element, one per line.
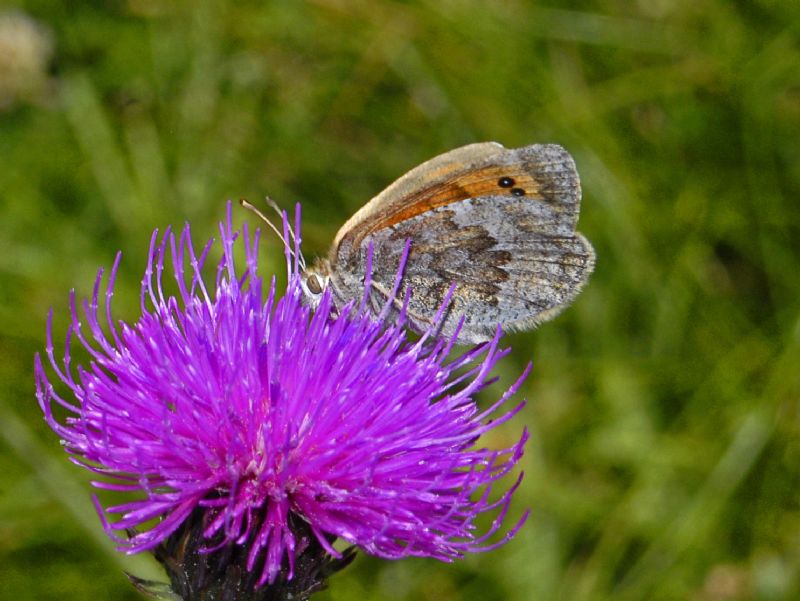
<point x="251" y="207"/>
<point x="278" y="210"/>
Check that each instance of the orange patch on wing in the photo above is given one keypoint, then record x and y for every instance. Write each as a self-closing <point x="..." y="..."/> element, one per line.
<point x="473" y="184"/>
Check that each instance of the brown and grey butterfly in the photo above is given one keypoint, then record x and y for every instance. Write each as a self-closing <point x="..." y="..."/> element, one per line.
<point x="499" y="223"/>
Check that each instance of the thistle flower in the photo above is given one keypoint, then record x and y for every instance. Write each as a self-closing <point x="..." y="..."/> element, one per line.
<point x="253" y="433"/>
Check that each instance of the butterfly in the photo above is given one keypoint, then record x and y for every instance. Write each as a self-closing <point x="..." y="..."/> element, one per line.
<point x="497" y="223"/>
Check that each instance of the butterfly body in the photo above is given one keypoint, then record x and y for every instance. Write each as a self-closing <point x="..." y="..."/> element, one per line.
<point x="499" y="223"/>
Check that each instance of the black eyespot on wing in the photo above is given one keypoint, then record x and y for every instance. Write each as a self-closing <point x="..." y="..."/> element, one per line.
<point x="313" y="284"/>
<point x="505" y="182"/>
<point x="517" y="191"/>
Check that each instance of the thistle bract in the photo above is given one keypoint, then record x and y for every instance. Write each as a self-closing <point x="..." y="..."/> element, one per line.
<point x="244" y="405"/>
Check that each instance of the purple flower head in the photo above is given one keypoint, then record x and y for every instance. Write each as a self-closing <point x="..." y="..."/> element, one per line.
<point x="262" y="415"/>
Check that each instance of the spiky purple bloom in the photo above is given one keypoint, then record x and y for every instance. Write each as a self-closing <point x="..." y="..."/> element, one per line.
<point x="259" y="413"/>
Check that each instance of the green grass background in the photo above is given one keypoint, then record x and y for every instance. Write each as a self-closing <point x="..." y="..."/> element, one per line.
<point x="663" y="405"/>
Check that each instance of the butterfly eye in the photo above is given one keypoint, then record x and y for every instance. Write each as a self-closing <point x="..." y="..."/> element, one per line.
<point x="313" y="284"/>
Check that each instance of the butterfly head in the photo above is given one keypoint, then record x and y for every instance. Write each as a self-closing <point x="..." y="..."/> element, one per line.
<point x="314" y="281"/>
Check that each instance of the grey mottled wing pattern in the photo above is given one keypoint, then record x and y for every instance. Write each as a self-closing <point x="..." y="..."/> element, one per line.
<point x="512" y="249"/>
<point x="508" y="269"/>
